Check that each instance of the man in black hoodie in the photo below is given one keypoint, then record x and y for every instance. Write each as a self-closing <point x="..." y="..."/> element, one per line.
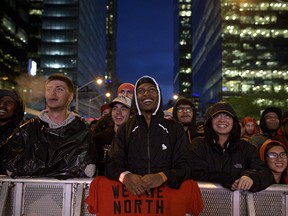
<point x="149" y="149"/>
<point x="269" y="125"/>
<point x="184" y="112"/>
<point x="11" y="114"/>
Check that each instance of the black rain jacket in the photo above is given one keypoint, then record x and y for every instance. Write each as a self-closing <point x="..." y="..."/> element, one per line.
<point x="211" y="163"/>
<point x="35" y="150"/>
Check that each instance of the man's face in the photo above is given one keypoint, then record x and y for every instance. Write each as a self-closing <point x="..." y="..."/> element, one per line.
<point x="272" y="121"/>
<point x="120" y="114"/>
<point x="57" y="95"/>
<point x="8" y="108"/>
<point x="185" y="114"/>
<point x="127" y="93"/>
<point x="147" y="97"/>
<point x="249" y="127"/>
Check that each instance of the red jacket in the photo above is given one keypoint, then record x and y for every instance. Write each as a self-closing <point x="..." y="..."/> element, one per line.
<point x="107" y="197"/>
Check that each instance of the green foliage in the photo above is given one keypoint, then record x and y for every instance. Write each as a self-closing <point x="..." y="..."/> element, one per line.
<point x="252" y="105"/>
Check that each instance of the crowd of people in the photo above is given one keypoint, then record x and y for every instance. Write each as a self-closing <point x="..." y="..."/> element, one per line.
<point x="139" y="144"/>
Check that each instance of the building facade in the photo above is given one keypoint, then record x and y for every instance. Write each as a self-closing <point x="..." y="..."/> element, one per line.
<point x="73" y="42"/>
<point x="183" y="48"/>
<point x="240" y="53"/>
<point x="111" y="78"/>
<point x="14" y="27"/>
<point x="182" y="72"/>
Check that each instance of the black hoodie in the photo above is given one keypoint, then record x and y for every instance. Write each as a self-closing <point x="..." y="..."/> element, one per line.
<point x="258" y="139"/>
<point x="161" y="147"/>
<point x="192" y="126"/>
<point x="7" y="129"/>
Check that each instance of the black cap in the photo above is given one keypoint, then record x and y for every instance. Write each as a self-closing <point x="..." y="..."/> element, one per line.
<point x="145" y="80"/>
<point x="9" y="93"/>
<point x="276" y="110"/>
<point x="222" y="107"/>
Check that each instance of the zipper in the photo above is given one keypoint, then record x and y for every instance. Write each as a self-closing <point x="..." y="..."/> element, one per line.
<point x="148" y="153"/>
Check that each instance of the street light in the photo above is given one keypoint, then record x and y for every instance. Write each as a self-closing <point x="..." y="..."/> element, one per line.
<point x="175" y="97"/>
<point x="92" y="99"/>
<point x="99" y="81"/>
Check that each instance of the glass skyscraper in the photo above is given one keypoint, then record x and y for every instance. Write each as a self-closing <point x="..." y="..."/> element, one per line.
<point x="111" y="34"/>
<point x="14" y="29"/>
<point x="183" y="48"/>
<point x="73" y="42"/>
<point x="240" y="53"/>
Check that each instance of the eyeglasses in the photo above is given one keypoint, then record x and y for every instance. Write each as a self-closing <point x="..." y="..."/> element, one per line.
<point x="274" y="155"/>
<point x="186" y="109"/>
<point x="150" y="90"/>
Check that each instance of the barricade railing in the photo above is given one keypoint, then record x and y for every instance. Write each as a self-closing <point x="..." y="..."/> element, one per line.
<point x="43" y="196"/>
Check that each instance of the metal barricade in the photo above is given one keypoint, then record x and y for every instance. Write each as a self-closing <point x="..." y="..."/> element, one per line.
<point x="52" y="197"/>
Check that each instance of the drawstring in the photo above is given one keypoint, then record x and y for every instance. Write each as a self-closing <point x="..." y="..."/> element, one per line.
<point x="189" y="137"/>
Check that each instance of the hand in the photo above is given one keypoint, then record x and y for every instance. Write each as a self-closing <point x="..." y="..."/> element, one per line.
<point x="153" y="180"/>
<point x="243" y="183"/>
<point x="135" y="184"/>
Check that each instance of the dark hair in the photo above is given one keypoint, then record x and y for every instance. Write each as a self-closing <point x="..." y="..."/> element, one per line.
<point x="62" y="78"/>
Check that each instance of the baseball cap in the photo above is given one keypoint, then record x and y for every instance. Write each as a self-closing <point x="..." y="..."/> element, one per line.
<point x="122" y="100"/>
<point x="222" y="107"/>
<point x="12" y="94"/>
<point x="125" y="86"/>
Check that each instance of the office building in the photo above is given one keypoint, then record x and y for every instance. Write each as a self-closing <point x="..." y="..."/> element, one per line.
<point x="13" y="41"/>
<point x="73" y="42"/>
<point x="240" y="53"/>
<point x="183" y="48"/>
<point x="182" y="75"/>
<point x="111" y="78"/>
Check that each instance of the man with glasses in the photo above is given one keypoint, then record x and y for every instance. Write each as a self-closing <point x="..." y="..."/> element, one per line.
<point x="57" y="143"/>
<point x="184" y="112"/>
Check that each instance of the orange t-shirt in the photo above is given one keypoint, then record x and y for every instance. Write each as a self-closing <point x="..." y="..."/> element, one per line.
<point x="107" y="197"/>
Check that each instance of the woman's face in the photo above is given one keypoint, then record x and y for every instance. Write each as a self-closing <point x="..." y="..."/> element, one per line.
<point x="278" y="163"/>
<point x="222" y="124"/>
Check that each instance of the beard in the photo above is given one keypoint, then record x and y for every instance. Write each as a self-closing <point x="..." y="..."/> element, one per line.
<point x="186" y="124"/>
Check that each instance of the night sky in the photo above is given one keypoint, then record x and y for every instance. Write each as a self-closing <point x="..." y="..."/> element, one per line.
<point x="145" y="42"/>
